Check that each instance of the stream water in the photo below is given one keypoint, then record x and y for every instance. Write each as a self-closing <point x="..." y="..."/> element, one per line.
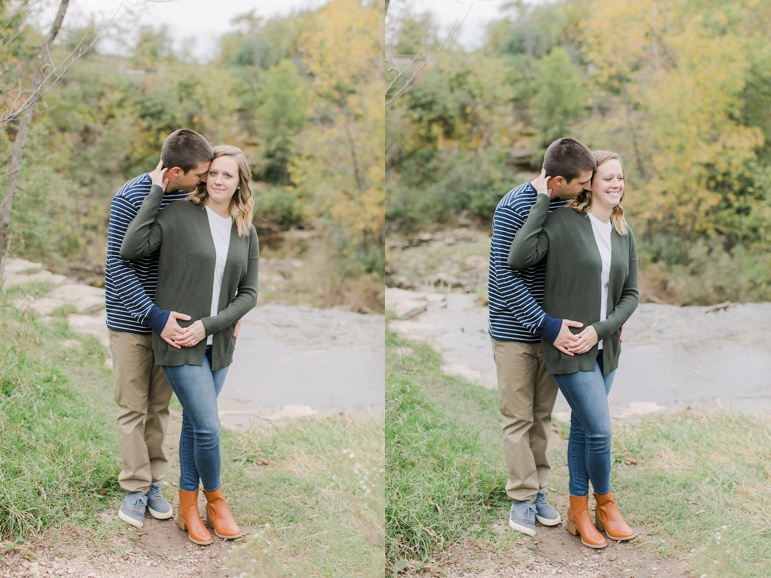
<point x="672" y="357"/>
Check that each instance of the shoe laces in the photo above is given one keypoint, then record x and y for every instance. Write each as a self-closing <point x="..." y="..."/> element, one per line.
<point x="139" y="499"/>
<point x="528" y="511"/>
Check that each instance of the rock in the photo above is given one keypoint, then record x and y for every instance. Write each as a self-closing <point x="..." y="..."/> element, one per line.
<point x="90" y="325"/>
<point x="408" y="309"/>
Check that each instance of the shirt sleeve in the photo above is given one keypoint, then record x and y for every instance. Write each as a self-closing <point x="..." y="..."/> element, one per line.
<point x="127" y="284"/>
<point x="507" y="223"/>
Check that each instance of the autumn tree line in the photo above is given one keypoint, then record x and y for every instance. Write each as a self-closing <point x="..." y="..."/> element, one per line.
<point x="301" y="95"/>
<point x="681" y="89"/>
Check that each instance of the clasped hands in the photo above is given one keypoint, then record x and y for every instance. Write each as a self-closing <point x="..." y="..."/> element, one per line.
<point x="179" y="337"/>
<point x="571" y="343"/>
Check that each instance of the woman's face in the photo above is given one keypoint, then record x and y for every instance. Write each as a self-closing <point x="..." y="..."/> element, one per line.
<point x="608" y="184"/>
<point x="222" y="180"/>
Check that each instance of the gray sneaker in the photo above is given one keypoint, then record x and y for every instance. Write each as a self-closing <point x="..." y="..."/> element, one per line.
<point x="157" y="505"/>
<point x="522" y="517"/>
<point x="545" y="512"/>
<point x="132" y="510"/>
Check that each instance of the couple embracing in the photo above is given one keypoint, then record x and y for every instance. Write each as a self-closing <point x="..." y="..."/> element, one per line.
<point x="181" y="272"/>
<point x="562" y="282"/>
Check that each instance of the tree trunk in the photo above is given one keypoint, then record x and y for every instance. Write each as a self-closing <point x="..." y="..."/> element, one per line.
<point x="6" y="205"/>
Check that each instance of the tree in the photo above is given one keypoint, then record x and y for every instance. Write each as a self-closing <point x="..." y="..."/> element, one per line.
<point x="43" y="80"/>
<point x="341" y="156"/>
<point x="558" y="99"/>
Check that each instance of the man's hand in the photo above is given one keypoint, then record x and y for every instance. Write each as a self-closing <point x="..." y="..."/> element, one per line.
<point x="566" y="338"/>
<point x="192" y="335"/>
<point x="238" y="330"/>
<point x="172" y="331"/>
<point x="539" y="183"/>
<point x="585" y="340"/>
<point x="157" y="176"/>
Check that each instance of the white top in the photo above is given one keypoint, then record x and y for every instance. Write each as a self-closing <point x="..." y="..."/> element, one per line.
<point x="220" y="234"/>
<point x="602" y="237"/>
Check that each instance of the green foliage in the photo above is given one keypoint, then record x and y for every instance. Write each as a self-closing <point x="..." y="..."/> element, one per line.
<point x="460" y="192"/>
<point x="557" y="102"/>
<point x="417" y="34"/>
<point x="301" y="95"/>
<point x="679" y="90"/>
<point x="706" y="272"/>
<point x="281" y="114"/>
<point x="279" y="206"/>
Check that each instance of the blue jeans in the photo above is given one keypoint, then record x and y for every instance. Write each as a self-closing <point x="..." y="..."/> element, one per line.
<point x="197" y="388"/>
<point x="590" y="429"/>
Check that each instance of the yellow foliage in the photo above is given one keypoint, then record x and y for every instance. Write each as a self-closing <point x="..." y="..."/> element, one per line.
<point x="341" y="165"/>
<point x="679" y="86"/>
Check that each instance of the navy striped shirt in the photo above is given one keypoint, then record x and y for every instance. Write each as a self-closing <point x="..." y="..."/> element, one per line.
<point x="516" y="296"/>
<point x="129" y="286"/>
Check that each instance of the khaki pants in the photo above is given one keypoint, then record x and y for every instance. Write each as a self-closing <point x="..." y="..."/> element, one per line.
<point x="142" y="394"/>
<point x="526" y="396"/>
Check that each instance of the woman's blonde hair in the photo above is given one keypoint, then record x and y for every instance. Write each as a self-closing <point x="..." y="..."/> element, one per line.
<point x="242" y="203"/>
<point x="584" y="200"/>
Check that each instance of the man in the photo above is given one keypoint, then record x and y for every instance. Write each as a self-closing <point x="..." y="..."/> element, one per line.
<point x="141" y="389"/>
<point x="526" y="390"/>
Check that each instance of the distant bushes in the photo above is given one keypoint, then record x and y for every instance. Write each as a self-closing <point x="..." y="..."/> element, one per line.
<point x="467" y="183"/>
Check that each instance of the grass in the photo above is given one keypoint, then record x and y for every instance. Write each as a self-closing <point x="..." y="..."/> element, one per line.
<point x="58" y="454"/>
<point x="696" y="483"/>
<point x="444" y="468"/>
<point x="313" y="489"/>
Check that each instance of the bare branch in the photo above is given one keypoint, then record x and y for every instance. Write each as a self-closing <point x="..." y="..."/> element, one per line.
<point x="55" y="74"/>
<point x="425" y="63"/>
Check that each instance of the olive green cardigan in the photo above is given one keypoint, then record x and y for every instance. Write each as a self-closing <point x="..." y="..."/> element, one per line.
<point x="186" y="275"/>
<point x="573" y="284"/>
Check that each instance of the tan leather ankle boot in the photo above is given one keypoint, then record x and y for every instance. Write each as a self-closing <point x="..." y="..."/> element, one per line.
<point x="580" y="523"/>
<point x="608" y="517"/>
<point x="218" y="516"/>
<point x="189" y="518"/>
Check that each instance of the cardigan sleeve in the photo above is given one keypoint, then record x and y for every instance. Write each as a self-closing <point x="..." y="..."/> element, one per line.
<point x="630" y="297"/>
<point x="531" y="243"/>
<point x="143" y="236"/>
<point x="246" y="297"/>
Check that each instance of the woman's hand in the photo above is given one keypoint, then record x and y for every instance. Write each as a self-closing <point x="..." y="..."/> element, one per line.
<point x="157" y="176"/>
<point x="584" y="341"/>
<point x="192" y="335"/>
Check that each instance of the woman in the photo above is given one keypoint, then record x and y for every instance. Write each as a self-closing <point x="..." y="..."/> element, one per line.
<point x="207" y="268"/>
<point x="591" y="277"/>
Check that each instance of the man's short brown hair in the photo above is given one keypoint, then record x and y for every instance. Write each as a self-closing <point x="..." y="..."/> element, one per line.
<point x="568" y="158"/>
<point x="185" y="148"/>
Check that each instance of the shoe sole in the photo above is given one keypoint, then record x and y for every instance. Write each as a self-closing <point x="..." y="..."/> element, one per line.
<point x="547" y="521"/>
<point x="523" y="529"/>
<point x="160" y="515"/>
<point x="129" y="520"/>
